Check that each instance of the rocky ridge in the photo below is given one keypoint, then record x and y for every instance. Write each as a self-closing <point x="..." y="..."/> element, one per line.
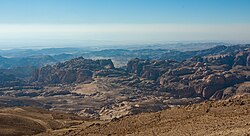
<point x="74" y="71"/>
<point x="206" y="76"/>
<point x="96" y="89"/>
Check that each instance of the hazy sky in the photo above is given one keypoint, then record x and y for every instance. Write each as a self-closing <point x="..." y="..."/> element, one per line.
<point x="135" y="21"/>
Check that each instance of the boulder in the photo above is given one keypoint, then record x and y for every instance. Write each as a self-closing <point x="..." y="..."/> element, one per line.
<point x="228" y="92"/>
<point x="243" y="88"/>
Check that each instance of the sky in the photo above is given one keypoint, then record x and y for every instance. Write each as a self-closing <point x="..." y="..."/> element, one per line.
<point x="123" y="21"/>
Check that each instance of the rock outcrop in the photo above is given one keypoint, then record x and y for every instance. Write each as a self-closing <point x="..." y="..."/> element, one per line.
<point x="243" y="88"/>
<point x="206" y="76"/>
<point x="95" y="88"/>
<point x="73" y="71"/>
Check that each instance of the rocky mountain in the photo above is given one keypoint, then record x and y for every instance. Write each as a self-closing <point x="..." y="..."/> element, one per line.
<point x="73" y="71"/>
<point x="221" y="49"/>
<point x="97" y="89"/>
<point x="41" y="57"/>
<point x="31" y="61"/>
<point x="120" y="57"/>
<point x="205" y="76"/>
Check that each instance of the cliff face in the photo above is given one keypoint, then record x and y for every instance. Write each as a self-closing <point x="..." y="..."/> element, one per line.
<point x="216" y="75"/>
<point x="205" y="76"/>
<point x="73" y="71"/>
<point x="149" y="69"/>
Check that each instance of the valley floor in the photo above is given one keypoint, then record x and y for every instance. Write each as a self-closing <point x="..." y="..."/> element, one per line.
<point x="212" y="118"/>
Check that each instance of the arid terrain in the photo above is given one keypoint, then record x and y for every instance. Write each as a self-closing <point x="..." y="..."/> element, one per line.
<point x="29" y="121"/>
<point x="210" y="118"/>
<point x="200" y="92"/>
<point x="124" y="67"/>
<point x="228" y="117"/>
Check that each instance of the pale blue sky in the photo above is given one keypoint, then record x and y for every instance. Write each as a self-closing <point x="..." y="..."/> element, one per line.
<point x="124" y="11"/>
<point x="125" y="20"/>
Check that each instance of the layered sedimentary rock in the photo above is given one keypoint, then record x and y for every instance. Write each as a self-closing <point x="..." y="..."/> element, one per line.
<point x="205" y="76"/>
<point x="73" y="71"/>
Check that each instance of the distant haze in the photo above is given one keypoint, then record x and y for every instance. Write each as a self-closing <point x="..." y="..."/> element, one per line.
<point x="120" y="34"/>
<point x="114" y="22"/>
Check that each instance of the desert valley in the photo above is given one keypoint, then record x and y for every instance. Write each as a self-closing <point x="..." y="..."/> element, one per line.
<point x="124" y="68"/>
<point x="67" y="96"/>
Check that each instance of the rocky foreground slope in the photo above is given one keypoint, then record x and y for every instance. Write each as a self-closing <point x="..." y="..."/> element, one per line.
<point x="209" y="118"/>
<point x="19" y="121"/>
